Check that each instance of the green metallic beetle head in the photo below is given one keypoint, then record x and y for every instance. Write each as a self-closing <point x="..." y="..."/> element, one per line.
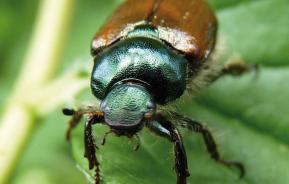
<point x="126" y="105"/>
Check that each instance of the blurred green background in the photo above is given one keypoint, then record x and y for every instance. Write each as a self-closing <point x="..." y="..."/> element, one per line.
<point x="249" y="117"/>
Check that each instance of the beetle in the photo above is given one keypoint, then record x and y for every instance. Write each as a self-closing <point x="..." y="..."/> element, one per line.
<point x="146" y="56"/>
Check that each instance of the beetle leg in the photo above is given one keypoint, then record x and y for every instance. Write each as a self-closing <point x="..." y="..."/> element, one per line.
<point x="73" y="122"/>
<point x="158" y="129"/>
<point x="136" y="147"/>
<point x="238" y="67"/>
<point x="76" y="117"/>
<point x="235" y="67"/>
<point x="95" y="116"/>
<point x="105" y="136"/>
<point x="90" y="147"/>
<point x="166" y="129"/>
<point x="210" y="142"/>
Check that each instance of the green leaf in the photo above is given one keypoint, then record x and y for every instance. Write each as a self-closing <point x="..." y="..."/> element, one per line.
<point x="218" y="5"/>
<point x="257" y="31"/>
<point x="248" y="115"/>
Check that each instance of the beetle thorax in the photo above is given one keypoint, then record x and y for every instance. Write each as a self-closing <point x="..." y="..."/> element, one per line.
<point x="142" y="58"/>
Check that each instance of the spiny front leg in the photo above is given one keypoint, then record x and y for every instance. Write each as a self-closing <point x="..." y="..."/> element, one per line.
<point x="181" y="164"/>
<point x="210" y="142"/>
<point x="90" y="147"/>
<point x="95" y="116"/>
<point x="166" y="129"/>
<point x="77" y="115"/>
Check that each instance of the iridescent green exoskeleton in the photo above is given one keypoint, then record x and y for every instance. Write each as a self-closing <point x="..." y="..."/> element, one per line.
<point x="148" y="54"/>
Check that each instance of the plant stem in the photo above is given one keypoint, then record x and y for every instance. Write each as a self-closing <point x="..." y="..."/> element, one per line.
<point x="38" y="68"/>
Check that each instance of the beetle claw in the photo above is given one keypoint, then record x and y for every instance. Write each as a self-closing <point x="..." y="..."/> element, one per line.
<point x="136" y="147"/>
<point x="104" y="137"/>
